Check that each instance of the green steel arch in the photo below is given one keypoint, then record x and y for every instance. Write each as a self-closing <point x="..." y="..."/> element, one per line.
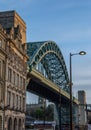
<point x="48" y="54"/>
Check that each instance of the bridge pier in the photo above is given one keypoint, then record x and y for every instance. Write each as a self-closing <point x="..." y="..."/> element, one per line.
<point x="63" y="113"/>
<point x="58" y="121"/>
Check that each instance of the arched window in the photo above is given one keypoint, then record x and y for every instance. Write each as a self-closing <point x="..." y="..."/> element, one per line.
<point x="10" y="124"/>
<point x="15" y="124"/>
<point x="89" y="122"/>
<point x="0" y="123"/>
<point x="0" y="92"/>
<point x="19" y="128"/>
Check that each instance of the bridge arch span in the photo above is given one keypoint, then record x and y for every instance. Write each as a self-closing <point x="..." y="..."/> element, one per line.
<point x="50" y="56"/>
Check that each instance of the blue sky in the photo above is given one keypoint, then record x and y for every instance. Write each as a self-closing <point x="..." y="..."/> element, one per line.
<point x="68" y="23"/>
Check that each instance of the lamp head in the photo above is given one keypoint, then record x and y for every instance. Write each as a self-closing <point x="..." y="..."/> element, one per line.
<point x="82" y="53"/>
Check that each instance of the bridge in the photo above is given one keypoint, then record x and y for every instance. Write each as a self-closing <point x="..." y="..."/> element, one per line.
<point x="48" y="77"/>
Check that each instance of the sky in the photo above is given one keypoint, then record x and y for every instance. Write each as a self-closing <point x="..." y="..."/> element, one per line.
<point x="68" y="23"/>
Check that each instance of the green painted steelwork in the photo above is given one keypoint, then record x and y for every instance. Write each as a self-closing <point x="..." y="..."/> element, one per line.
<point x="49" y="55"/>
<point x="46" y="65"/>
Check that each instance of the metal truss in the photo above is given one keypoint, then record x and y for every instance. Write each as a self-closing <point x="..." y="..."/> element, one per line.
<point x="49" y="55"/>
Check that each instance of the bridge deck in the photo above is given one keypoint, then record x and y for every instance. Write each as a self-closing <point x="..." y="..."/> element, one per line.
<point x="42" y="86"/>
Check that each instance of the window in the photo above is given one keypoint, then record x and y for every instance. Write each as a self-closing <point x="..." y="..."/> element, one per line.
<point x="20" y="103"/>
<point x="17" y="101"/>
<point x="9" y="98"/>
<point x="3" y="69"/>
<point x="0" y="68"/>
<point x="1" y="121"/>
<point x="20" y="82"/>
<point x="24" y="104"/>
<point x="13" y="100"/>
<point x="9" y="74"/>
<point x="0" y="92"/>
<point x="17" y="79"/>
<point x="15" y="124"/>
<point x="10" y="124"/>
<point x="24" y="84"/>
<point x="0" y="43"/>
<point x="13" y="77"/>
<point x="20" y="125"/>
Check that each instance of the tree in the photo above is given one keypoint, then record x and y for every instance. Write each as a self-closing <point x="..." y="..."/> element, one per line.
<point x="49" y="113"/>
<point x="39" y="113"/>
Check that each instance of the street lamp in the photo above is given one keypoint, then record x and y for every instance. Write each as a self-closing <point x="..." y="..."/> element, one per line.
<point x="80" y="53"/>
<point x="60" y="108"/>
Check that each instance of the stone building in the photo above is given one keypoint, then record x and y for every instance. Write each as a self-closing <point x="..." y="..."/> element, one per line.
<point x="3" y="56"/>
<point x="13" y="71"/>
<point x="82" y="108"/>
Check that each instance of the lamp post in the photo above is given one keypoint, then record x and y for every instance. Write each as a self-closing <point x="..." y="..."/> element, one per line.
<point x="60" y="108"/>
<point x="80" y="53"/>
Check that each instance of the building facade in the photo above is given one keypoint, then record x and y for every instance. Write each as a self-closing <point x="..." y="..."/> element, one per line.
<point x="13" y="71"/>
<point x="3" y="56"/>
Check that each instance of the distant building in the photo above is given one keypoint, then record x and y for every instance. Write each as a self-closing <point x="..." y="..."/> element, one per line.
<point x="82" y="108"/>
<point x="33" y="107"/>
<point x="13" y="69"/>
<point x="89" y="116"/>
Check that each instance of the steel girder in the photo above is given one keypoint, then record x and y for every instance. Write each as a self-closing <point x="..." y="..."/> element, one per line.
<point x="49" y="55"/>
